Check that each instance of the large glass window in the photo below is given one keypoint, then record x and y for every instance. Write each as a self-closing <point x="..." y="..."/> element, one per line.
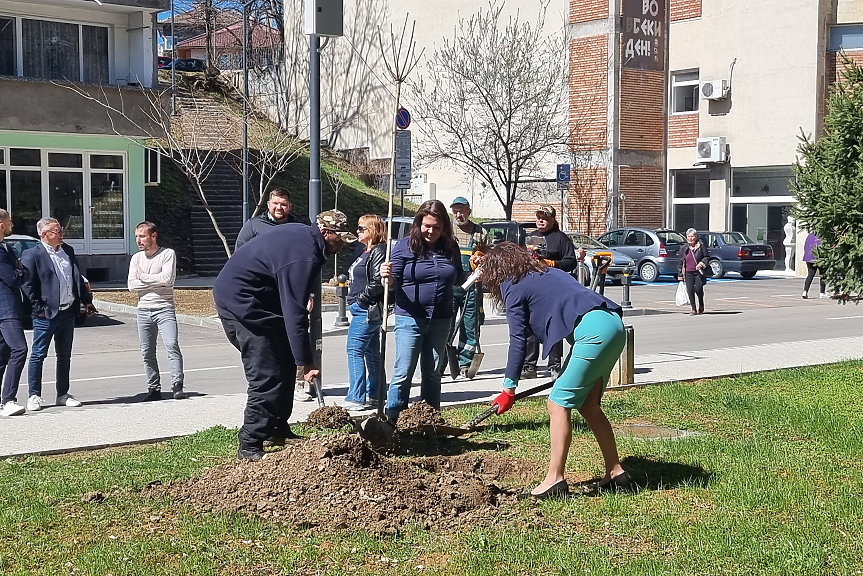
<point x="767" y="181"/>
<point x="26" y="205"/>
<point x="688" y="216"/>
<point x="692" y="183"/>
<point x="7" y="46"/>
<point x="106" y="198"/>
<point x="684" y="92"/>
<point x="95" y="44"/>
<point x="66" y="199"/>
<point x="846" y="37"/>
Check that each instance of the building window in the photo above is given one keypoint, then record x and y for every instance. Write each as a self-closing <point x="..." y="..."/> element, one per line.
<point x="684" y="92"/>
<point x="691" y="199"/>
<point x="53" y="50"/>
<point x="846" y="37"/>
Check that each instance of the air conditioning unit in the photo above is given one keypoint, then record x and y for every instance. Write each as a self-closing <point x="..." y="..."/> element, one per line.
<point x="714" y="90"/>
<point x="710" y="149"/>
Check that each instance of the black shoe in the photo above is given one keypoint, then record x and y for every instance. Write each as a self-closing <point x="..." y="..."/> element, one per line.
<point x="281" y="438"/>
<point x="528" y="372"/>
<point x="558" y="489"/>
<point x="153" y="395"/>
<point x="250" y="454"/>
<point x="619" y="482"/>
<point x="179" y="394"/>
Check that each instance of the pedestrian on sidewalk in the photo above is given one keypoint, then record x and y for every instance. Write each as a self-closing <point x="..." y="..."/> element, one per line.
<point x="365" y="298"/>
<point x="13" y="346"/>
<point x="812" y="267"/>
<point x="425" y="266"/>
<point x="262" y="295"/>
<point x="152" y="272"/>
<point x="692" y="268"/>
<point x="55" y="288"/>
<point x="556" y="249"/>
<point x="472" y="239"/>
<point x="552" y="305"/>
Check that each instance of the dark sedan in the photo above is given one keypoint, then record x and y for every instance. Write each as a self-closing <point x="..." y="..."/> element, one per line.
<point x="736" y="252"/>
<point x="189" y="65"/>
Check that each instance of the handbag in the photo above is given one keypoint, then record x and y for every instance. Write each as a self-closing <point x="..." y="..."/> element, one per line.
<point x="681" y="298"/>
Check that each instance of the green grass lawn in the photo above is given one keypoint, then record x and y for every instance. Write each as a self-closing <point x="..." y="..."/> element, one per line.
<point x="772" y="485"/>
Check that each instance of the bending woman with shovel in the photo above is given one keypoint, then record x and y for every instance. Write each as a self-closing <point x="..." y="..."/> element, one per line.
<point x="552" y="305"/>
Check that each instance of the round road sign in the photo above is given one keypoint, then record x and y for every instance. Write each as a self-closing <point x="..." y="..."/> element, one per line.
<point x="403" y="118"/>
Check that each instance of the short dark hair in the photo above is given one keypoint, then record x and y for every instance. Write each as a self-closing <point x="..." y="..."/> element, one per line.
<point x="151" y="228"/>
<point x="279" y="191"/>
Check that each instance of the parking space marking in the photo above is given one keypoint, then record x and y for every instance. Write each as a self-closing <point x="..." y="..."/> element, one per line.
<point x="844" y="318"/>
<point x="735" y="298"/>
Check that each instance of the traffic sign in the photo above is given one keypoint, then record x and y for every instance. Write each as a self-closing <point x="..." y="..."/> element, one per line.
<point x="403" y="118"/>
<point x="403" y="159"/>
<point x="563" y="176"/>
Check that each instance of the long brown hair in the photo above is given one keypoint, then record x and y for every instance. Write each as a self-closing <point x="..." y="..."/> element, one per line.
<point x="446" y="244"/>
<point x="507" y="260"/>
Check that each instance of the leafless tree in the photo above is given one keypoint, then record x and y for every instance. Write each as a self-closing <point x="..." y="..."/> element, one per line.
<point x="494" y="101"/>
<point x="180" y="138"/>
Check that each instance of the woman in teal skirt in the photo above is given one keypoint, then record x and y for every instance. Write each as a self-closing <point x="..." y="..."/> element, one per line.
<point x="552" y="305"/>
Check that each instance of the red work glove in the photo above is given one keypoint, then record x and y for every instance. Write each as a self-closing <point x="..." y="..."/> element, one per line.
<point x="504" y="401"/>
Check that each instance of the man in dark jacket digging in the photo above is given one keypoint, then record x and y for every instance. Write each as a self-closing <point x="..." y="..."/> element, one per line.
<point x="262" y="295"/>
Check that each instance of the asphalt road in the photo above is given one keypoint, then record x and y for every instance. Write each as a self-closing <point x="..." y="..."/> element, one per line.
<point x="106" y="364"/>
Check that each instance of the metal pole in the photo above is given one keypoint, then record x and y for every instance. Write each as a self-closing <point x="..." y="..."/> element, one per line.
<point x="316" y="327"/>
<point x="173" y="57"/>
<point x="245" y="115"/>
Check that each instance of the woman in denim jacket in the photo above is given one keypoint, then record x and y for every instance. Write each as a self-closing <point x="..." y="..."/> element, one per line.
<point x="424" y="267"/>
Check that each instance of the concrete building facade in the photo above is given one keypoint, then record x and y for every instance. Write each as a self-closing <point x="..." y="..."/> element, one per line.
<point x="60" y="155"/>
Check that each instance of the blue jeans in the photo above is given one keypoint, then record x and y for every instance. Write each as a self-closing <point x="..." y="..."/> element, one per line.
<point x="160" y="321"/>
<point x="417" y="339"/>
<point x="60" y="328"/>
<point x="364" y="353"/>
<point x="13" y="356"/>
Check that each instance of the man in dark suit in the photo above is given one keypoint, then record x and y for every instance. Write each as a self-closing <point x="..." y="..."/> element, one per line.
<point x="13" y="346"/>
<point x="55" y="288"/>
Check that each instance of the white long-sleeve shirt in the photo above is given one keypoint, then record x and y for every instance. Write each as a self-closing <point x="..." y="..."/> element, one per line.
<point x="152" y="277"/>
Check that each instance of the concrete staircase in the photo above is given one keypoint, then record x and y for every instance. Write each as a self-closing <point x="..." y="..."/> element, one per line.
<point x="223" y="189"/>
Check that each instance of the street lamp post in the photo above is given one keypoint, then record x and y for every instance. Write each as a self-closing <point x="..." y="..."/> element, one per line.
<point x="173" y="58"/>
<point x="245" y="114"/>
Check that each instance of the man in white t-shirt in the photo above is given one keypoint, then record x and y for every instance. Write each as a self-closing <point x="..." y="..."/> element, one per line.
<point x="151" y="274"/>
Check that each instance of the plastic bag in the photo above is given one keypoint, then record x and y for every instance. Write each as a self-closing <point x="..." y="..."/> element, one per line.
<point x="681" y="298"/>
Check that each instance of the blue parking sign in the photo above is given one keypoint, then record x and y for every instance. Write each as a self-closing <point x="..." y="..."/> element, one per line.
<point x="563" y="173"/>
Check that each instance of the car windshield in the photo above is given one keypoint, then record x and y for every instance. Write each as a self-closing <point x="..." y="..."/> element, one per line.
<point x="670" y="237"/>
<point x="736" y="238"/>
<point x="582" y="241"/>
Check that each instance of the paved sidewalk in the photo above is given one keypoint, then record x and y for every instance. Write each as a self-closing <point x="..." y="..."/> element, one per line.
<point x="58" y="430"/>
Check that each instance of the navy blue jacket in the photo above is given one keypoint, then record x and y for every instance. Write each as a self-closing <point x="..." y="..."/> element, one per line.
<point x="267" y="283"/>
<point x="548" y="305"/>
<point x="425" y="282"/>
<point x="41" y="285"/>
<point x="10" y="284"/>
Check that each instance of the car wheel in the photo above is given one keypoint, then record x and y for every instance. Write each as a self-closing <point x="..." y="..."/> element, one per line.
<point x="717" y="268"/>
<point x="648" y="271"/>
<point x="747" y="275"/>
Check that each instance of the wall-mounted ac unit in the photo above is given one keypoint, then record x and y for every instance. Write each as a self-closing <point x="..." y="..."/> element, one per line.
<point x="711" y="149"/>
<point x="714" y="90"/>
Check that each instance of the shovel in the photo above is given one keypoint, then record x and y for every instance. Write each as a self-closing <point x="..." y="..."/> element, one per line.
<point x="319" y="390"/>
<point x="451" y="349"/>
<point x="519" y="396"/>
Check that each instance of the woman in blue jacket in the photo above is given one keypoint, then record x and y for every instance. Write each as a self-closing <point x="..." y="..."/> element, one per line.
<point x="552" y="305"/>
<point x="425" y="266"/>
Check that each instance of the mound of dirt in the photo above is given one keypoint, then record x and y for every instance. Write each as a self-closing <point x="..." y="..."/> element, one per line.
<point x="419" y="414"/>
<point x="340" y="482"/>
<point x="332" y="417"/>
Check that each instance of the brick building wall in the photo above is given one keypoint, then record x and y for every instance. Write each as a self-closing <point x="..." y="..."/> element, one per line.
<point x="588" y="93"/>
<point x="834" y="63"/>
<point x="526" y="211"/>
<point x="682" y="130"/>
<point x="642" y="189"/>
<point x="641" y="104"/>
<point x="587" y="10"/>
<point x="588" y="201"/>
<point x="685" y="9"/>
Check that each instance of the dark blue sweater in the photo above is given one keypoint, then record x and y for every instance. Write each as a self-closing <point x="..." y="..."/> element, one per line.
<point x="268" y="282"/>
<point x="424" y="282"/>
<point x="548" y="305"/>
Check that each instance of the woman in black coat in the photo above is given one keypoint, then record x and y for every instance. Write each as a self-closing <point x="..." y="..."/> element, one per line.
<point x="692" y="268"/>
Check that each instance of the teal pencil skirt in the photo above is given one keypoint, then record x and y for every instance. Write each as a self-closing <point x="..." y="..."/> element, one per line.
<point x="597" y="342"/>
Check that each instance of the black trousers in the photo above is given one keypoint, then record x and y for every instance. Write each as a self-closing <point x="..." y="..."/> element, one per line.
<point x="554" y="356"/>
<point x="811" y="270"/>
<point x="13" y="356"/>
<point x="270" y="370"/>
<point x="695" y="287"/>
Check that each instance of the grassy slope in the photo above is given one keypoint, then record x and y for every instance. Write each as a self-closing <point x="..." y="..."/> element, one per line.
<point x="773" y="485"/>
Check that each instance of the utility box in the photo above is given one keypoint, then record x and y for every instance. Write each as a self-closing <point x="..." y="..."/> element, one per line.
<point x="624" y="371"/>
<point x="325" y="18"/>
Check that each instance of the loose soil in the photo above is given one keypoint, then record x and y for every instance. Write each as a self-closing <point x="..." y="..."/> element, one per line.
<point x="332" y="417"/>
<point x="339" y="481"/>
<point x="191" y="302"/>
<point x="419" y="414"/>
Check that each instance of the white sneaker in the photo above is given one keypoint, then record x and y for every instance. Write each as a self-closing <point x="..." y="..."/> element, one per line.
<point x="353" y="406"/>
<point x="300" y="395"/>
<point x="823" y="295"/>
<point x="805" y="295"/>
<point x="68" y="400"/>
<point x="10" y="408"/>
<point x="35" y="403"/>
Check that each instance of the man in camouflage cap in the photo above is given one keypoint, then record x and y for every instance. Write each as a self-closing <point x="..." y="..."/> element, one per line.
<point x="262" y="297"/>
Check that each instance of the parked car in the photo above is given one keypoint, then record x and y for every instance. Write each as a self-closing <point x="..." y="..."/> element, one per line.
<point x="736" y="252"/>
<point x="619" y="260"/>
<point x="189" y="65"/>
<point x="164" y="62"/>
<point x="19" y="243"/>
<point x="654" y="251"/>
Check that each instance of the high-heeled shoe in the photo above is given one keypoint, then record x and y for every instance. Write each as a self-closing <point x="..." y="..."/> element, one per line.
<point x="557" y="489"/>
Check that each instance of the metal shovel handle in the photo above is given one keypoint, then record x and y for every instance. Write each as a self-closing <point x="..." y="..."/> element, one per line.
<point x="519" y="396"/>
<point x="316" y="382"/>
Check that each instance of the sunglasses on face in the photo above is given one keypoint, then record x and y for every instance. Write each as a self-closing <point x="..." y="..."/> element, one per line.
<point x="361" y="228"/>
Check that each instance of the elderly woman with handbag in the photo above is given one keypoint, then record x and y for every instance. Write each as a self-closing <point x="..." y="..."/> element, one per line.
<point x="693" y="269"/>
